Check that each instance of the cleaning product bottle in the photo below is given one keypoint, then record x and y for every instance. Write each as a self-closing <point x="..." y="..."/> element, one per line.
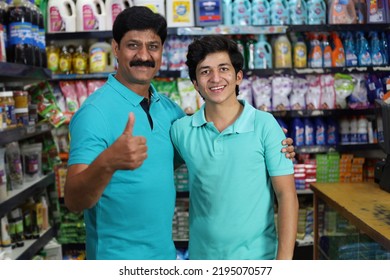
<point x="242" y="13"/>
<point x="65" y="61"/>
<point x="377" y="11"/>
<point x="90" y="15"/>
<point x="300" y="53"/>
<point x="350" y="50"/>
<point x="375" y="49"/>
<point x="279" y="12"/>
<point x="342" y="12"/>
<point x="157" y="6"/>
<point x="298" y="11"/>
<point x="316" y="12"/>
<point x="42" y="38"/>
<point x="260" y="12"/>
<point x="113" y="8"/>
<point x="35" y="32"/>
<point x="53" y="57"/>
<point x="315" y="54"/>
<point x="338" y="54"/>
<point x="250" y="53"/>
<point x="263" y="53"/>
<point x="61" y="16"/>
<point x="241" y="47"/>
<point x="100" y="57"/>
<point x="80" y="61"/>
<point x="4" y="23"/>
<point x="384" y="48"/>
<point x="364" y="55"/>
<point x="326" y="51"/>
<point x="227" y="12"/>
<point x="208" y="12"/>
<point x="282" y="52"/>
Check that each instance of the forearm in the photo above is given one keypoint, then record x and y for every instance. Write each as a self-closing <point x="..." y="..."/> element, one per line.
<point x="287" y="225"/>
<point x="86" y="183"/>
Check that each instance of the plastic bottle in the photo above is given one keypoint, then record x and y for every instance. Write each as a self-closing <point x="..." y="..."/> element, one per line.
<point x="61" y="16"/>
<point x="42" y="39"/>
<point x="4" y="22"/>
<point x="298" y="11"/>
<point x="362" y="130"/>
<point x="298" y="132"/>
<point x="180" y="13"/>
<point x="90" y="15"/>
<point x="250" y="51"/>
<point x="342" y="12"/>
<point x="315" y="54"/>
<point x="338" y="54"/>
<point x="242" y="13"/>
<point x="320" y="131"/>
<point x="300" y="54"/>
<point x="157" y="6"/>
<point x="377" y="11"/>
<point x="263" y="53"/>
<point x="53" y="57"/>
<point x="227" y="12"/>
<point x="361" y="11"/>
<point x="332" y="132"/>
<point x="45" y="214"/>
<point x="208" y="12"/>
<point x="375" y="49"/>
<point x="100" y="58"/>
<point x="316" y="12"/>
<point x="65" y="61"/>
<point x="353" y="130"/>
<point x="309" y="132"/>
<point x="279" y="12"/>
<point x="344" y="131"/>
<point x="326" y="51"/>
<point x="80" y="61"/>
<point x="282" y="52"/>
<point x="350" y="51"/>
<point x="35" y="33"/>
<point x="20" y="46"/>
<point x="384" y="48"/>
<point x="113" y="8"/>
<point x="241" y="47"/>
<point x="260" y="12"/>
<point x="364" y="56"/>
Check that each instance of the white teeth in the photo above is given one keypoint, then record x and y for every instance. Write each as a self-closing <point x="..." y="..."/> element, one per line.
<point x="217" y="88"/>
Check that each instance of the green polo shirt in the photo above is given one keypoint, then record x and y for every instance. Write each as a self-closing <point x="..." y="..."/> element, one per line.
<point x="231" y="197"/>
<point x="133" y="217"/>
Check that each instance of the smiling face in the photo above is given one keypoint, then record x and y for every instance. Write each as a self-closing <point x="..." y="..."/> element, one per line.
<point x="216" y="79"/>
<point x="139" y="57"/>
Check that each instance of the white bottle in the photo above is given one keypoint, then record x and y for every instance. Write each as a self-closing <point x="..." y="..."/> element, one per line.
<point x="90" y="15"/>
<point x="344" y="131"/>
<point x="157" y="6"/>
<point x="180" y="13"/>
<point x="113" y="8"/>
<point x="353" y="130"/>
<point x="61" y="16"/>
<point x="362" y="131"/>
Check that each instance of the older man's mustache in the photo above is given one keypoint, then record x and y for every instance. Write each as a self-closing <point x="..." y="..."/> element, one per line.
<point x="142" y="63"/>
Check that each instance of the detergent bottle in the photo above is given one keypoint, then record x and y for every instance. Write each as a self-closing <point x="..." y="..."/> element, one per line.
<point x="227" y="12"/>
<point x="350" y="51"/>
<point x="61" y="16"/>
<point x="113" y="8"/>
<point x="263" y="53"/>
<point x="282" y="52"/>
<point x="364" y="55"/>
<point x="260" y="12"/>
<point x="90" y="15"/>
<point x="342" y="12"/>
<point x="298" y="11"/>
<point x="375" y="48"/>
<point x="242" y="13"/>
<point x="315" y="54"/>
<point x="316" y="12"/>
<point x="338" y="53"/>
<point x="300" y="53"/>
<point x="326" y="51"/>
<point x="279" y="12"/>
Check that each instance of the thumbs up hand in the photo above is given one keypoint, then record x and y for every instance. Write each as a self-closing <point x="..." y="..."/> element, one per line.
<point x="128" y="151"/>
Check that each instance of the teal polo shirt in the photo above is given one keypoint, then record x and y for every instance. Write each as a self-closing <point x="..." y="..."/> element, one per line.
<point x="231" y="197"/>
<point x="133" y="217"/>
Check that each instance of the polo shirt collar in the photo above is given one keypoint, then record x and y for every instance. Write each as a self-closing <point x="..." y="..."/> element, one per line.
<point x="130" y="95"/>
<point x="244" y="123"/>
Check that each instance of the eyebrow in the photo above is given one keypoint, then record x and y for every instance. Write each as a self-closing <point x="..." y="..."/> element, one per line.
<point x="219" y="65"/>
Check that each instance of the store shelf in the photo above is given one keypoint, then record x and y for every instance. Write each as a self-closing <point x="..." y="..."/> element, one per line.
<point x="305" y="191"/>
<point x="23" y="132"/>
<point x="182" y="194"/>
<point x="28" y="189"/>
<point x="93" y="76"/>
<point x="232" y="29"/>
<point x="339" y="148"/>
<point x="323" y="113"/>
<point x="33" y="246"/>
<point x="81" y="35"/>
<point x="14" y="71"/>
<point x="338" y="27"/>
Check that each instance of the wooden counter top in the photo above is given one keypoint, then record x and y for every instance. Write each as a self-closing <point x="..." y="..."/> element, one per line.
<point x="365" y="205"/>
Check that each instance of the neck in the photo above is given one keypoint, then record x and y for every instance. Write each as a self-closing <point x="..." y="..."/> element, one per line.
<point x="223" y="115"/>
<point x="142" y="89"/>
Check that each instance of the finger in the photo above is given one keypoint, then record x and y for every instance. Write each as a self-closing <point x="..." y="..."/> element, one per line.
<point x="130" y="124"/>
<point x="284" y="130"/>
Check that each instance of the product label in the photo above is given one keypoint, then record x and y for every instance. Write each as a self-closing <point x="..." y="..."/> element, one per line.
<point x="56" y="23"/>
<point x="20" y="33"/>
<point x="209" y="11"/>
<point x="52" y="61"/>
<point x="115" y="11"/>
<point x="181" y="12"/>
<point x="98" y="60"/>
<point x="89" y="20"/>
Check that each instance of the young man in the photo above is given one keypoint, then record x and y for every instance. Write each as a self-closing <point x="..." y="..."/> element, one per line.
<point x="120" y="169"/>
<point x="232" y="152"/>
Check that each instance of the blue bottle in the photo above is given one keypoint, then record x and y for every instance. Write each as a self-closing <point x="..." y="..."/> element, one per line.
<point x="375" y="48"/>
<point x="349" y="46"/>
<point x="263" y="53"/>
<point x="298" y="132"/>
<point x="364" y="55"/>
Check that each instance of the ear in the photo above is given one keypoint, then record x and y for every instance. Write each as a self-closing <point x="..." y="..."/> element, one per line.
<point x="239" y="77"/>
<point x="115" y="47"/>
<point x="195" y="85"/>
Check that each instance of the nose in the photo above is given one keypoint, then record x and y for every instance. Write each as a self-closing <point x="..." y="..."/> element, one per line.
<point x="143" y="53"/>
<point x="215" y="76"/>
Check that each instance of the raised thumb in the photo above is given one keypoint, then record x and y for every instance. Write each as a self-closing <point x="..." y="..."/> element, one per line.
<point x="130" y="124"/>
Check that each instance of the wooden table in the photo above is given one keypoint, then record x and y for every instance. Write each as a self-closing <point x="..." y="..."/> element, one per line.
<point x="365" y="205"/>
